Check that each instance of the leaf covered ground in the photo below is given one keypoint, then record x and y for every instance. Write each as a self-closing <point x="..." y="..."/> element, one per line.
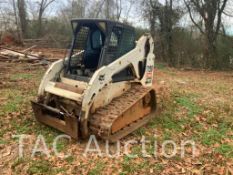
<point x="193" y="105"/>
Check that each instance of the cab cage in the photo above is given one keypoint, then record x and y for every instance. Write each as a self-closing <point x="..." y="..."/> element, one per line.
<point x="118" y="39"/>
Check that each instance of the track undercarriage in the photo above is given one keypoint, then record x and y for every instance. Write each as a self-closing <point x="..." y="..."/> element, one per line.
<point x="124" y="114"/>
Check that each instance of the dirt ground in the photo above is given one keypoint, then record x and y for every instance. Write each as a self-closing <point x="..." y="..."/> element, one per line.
<point x="195" y="105"/>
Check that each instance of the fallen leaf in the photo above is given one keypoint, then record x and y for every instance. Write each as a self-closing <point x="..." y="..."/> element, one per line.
<point x="7" y="153"/>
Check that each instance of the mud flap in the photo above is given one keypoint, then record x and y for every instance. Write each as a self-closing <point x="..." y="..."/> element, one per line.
<point x="52" y="117"/>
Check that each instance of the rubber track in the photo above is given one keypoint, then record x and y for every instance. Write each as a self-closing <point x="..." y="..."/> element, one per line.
<point x="101" y="121"/>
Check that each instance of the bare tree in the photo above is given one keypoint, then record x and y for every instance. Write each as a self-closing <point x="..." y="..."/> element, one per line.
<point x="210" y="12"/>
<point x="150" y="12"/>
<point x="131" y="2"/>
<point x="78" y="8"/>
<point x="107" y="9"/>
<point x="112" y="9"/>
<point x="99" y="8"/>
<point x="43" y="5"/>
<point x="162" y="19"/>
<point x="118" y="9"/>
<point x="73" y="9"/>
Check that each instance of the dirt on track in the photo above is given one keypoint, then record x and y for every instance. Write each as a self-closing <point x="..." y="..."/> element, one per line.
<point x="196" y="105"/>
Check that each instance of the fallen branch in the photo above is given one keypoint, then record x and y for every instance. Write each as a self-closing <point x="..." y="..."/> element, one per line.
<point x="28" y="49"/>
<point x="6" y="51"/>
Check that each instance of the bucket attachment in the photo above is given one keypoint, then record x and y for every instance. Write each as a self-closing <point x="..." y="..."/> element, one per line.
<point x="57" y="119"/>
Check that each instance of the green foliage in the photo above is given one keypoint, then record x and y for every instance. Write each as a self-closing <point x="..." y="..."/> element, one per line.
<point x="58" y="32"/>
<point x="225" y="52"/>
<point x="188" y="48"/>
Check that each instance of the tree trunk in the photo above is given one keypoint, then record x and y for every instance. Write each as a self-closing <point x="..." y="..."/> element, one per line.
<point x="152" y="26"/>
<point x="169" y="33"/>
<point x="210" y="52"/>
<point x="39" y="25"/>
<point x="210" y="47"/>
<point x="22" y="17"/>
<point x="19" y="34"/>
<point x="162" y="36"/>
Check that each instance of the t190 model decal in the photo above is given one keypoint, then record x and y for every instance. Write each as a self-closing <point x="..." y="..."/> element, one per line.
<point x="149" y="68"/>
<point x="149" y="74"/>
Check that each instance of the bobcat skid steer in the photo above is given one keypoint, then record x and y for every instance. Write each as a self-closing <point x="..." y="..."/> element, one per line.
<point x="103" y="87"/>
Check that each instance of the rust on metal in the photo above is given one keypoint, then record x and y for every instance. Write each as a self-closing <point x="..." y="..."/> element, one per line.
<point x="125" y="113"/>
<point x="69" y="88"/>
<point x="68" y="125"/>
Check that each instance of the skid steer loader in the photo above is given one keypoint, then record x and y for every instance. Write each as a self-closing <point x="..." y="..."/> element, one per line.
<point x="103" y="87"/>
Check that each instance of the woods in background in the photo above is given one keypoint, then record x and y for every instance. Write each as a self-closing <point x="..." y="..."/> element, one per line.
<point x="203" y="43"/>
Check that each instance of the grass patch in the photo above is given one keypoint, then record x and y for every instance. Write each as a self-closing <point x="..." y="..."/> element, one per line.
<point x="188" y="103"/>
<point x="23" y="128"/>
<point x="3" y="142"/>
<point x="140" y="131"/>
<point x="62" y="144"/>
<point x="47" y="132"/>
<point x="21" y="76"/>
<point x="97" y="170"/>
<point x="17" y="162"/>
<point x="169" y="122"/>
<point x="2" y="132"/>
<point x="44" y="167"/>
<point x="213" y="136"/>
<point x="167" y="119"/>
<point x="70" y="159"/>
<point x="167" y="135"/>
<point x="158" y="167"/>
<point x="36" y="167"/>
<point x="160" y="66"/>
<point x="226" y="150"/>
<point x="136" y="151"/>
<point x="14" y="101"/>
<point x="40" y="167"/>
<point x="130" y="167"/>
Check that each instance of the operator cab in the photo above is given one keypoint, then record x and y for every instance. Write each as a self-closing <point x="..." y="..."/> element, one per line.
<point x="97" y="43"/>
